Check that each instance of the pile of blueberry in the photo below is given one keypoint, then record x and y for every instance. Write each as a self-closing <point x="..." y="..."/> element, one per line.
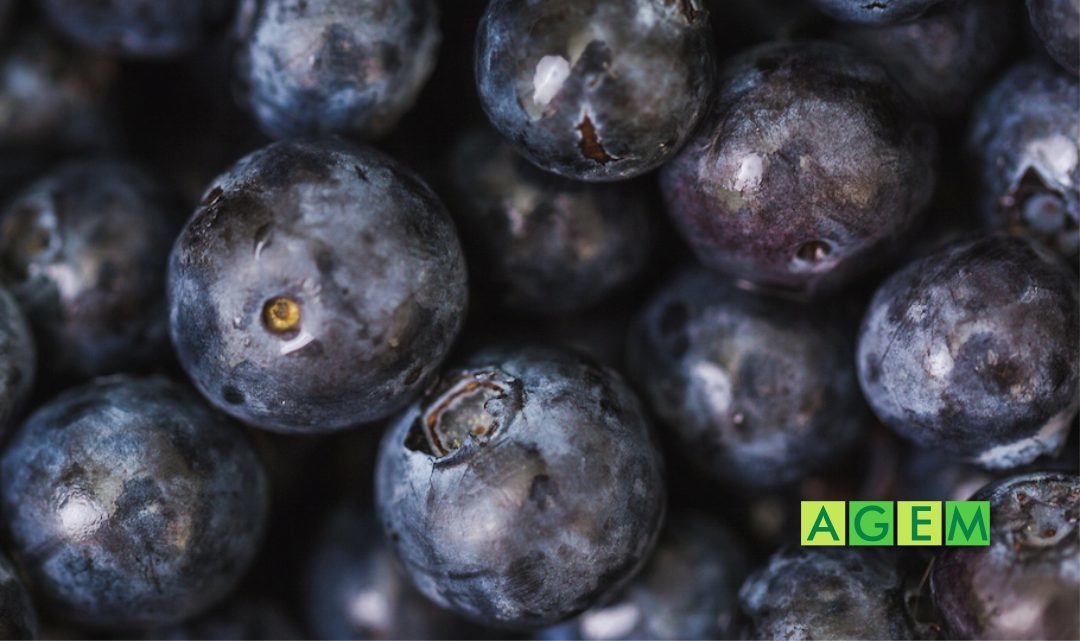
<point x="355" y="319"/>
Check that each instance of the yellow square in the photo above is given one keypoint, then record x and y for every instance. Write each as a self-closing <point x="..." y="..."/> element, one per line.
<point x="918" y="523"/>
<point x="824" y="523"/>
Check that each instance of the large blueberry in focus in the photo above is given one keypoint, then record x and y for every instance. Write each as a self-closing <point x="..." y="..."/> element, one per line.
<point x="595" y="89"/>
<point x="84" y="250"/>
<point x="879" y="12"/>
<point x="137" y="28"/>
<point x="18" y="361"/>
<point x="129" y="502"/>
<point x="546" y="244"/>
<point x="334" y="66"/>
<point x="811" y="167"/>
<point x="825" y="593"/>
<point x="687" y="590"/>
<point x="1057" y="23"/>
<point x="757" y="391"/>
<point x="1025" y="145"/>
<point x="1026" y="583"/>
<point x="18" y="619"/>
<point x="523" y="488"/>
<point x="354" y="588"/>
<point x="943" y="58"/>
<point x="316" y="287"/>
<point x="973" y="350"/>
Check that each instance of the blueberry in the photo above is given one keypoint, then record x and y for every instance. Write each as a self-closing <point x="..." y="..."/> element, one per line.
<point x="137" y="28"/>
<point x="943" y="58"/>
<point x="1057" y="23"/>
<point x="130" y="503"/>
<point x="18" y="620"/>
<point x="84" y="251"/>
<point x="549" y="245"/>
<point x="18" y="361"/>
<point x="687" y="590"/>
<point x="825" y="593"/>
<point x="756" y="392"/>
<point x="878" y="12"/>
<point x="354" y="588"/>
<point x="523" y="488"/>
<point x="810" y="169"/>
<point x="973" y="350"/>
<point x="595" y="89"/>
<point x="316" y="287"/>
<point x="1025" y="584"/>
<point x="334" y="66"/>
<point x="55" y="103"/>
<point x="1025" y="145"/>
<point x="236" y="619"/>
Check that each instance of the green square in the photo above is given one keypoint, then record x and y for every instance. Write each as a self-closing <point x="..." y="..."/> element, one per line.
<point x="918" y="523"/>
<point x="871" y="523"/>
<point x="823" y="523"/>
<point x="967" y="522"/>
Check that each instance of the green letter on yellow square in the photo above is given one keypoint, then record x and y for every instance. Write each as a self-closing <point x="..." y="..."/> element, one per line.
<point x="823" y="523"/>
<point x="870" y="523"/>
<point x="918" y="522"/>
<point x="967" y="523"/>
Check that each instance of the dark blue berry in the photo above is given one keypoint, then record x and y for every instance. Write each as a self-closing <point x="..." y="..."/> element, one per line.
<point x="316" y="287"/>
<point x="523" y="488"/>
<point x="1057" y="23"/>
<point x="128" y="502"/>
<point x="876" y="12"/>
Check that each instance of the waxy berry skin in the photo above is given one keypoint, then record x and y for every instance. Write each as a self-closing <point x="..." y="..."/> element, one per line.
<point x="1024" y="146"/>
<point x="595" y="89"/>
<point x="878" y="13"/>
<point x="316" y="287"/>
<point x="1057" y="23"/>
<point x="545" y="244"/>
<point x="138" y="28"/>
<point x="810" y="169"/>
<point x="825" y="593"/>
<point x="1026" y="583"/>
<point x="84" y="251"/>
<point x="130" y="503"/>
<point x="523" y="488"/>
<point x="349" y="67"/>
<point x="755" y="391"/>
<point x="973" y="350"/>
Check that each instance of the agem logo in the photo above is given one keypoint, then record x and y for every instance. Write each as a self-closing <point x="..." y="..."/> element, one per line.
<point x="895" y="523"/>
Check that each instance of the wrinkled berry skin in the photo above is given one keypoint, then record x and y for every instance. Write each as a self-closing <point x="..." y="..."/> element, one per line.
<point x="1057" y="23"/>
<point x="595" y="89"/>
<point x="548" y="245"/>
<point x="358" y="257"/>
<point x="552" y="499"/>
<point x="18" y="620"/>
<point x="687" y="590"/>
<point x="128" y="502"/>
<point x="354" y="67"/>
<point x="973" y="350"/>
<point x="946" y="56"/>
<point x="1026" y="583"/>
<point x="1025" y="147"/>
<point x="137" y="28"/>
<point x="809" y="170"/>
<point x="878" y="13"/>
<point x="351" y="567"/>
<point x="84" y="251"/>
<point x="756" y="391"/>
<point x="18" y="360"/>
<point x="825" y="593"/>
